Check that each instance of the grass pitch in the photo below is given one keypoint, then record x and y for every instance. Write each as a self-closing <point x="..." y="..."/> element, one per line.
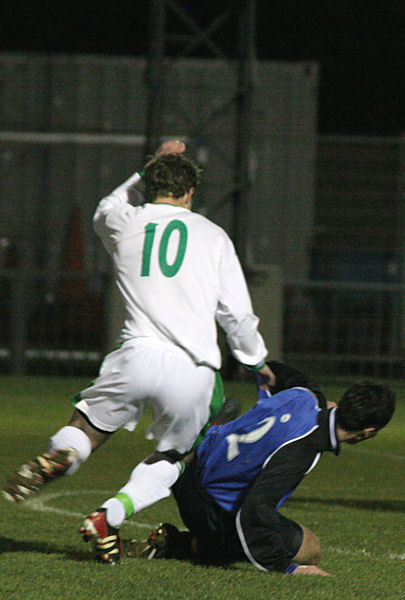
<point x="355" y="503"/>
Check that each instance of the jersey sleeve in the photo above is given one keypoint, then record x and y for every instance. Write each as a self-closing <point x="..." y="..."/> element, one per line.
<point x="103" y="221"/>
<point x="288" y="377"/>
<point x="270" y="540"/>
<point x="235" y="313"/>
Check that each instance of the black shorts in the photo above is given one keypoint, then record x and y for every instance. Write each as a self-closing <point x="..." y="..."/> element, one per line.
<point x="215" y="528"/>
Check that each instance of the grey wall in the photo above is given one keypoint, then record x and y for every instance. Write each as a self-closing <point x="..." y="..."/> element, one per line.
<point x="73" y="128"/>
<point x="107" y="96"/>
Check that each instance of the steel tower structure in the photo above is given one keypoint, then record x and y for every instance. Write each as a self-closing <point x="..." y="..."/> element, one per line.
<point x="175" y="33"/>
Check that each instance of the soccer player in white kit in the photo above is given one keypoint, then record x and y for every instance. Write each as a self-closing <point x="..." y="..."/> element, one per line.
<point x="179" y="275"/>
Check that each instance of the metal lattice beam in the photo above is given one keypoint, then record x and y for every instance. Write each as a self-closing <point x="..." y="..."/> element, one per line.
<point x="205" y="38"/>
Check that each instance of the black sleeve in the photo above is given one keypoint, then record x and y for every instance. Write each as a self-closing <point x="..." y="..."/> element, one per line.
<point x="269" y="539"/>
<point x="288" y="377"/>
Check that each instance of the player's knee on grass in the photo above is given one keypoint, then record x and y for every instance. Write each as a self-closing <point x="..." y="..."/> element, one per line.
<point x="310" y="550"/>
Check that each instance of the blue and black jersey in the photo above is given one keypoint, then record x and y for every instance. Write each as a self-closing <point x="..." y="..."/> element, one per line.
<point x="244" y="470"/>
<point x="232" y="455"/>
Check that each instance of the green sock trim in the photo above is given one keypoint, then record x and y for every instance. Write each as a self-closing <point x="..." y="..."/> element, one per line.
<point x="75" y="398"/>
<point x="181" y="466"/>
<point x="127" y="503"/>
<point x="217" y="401"/>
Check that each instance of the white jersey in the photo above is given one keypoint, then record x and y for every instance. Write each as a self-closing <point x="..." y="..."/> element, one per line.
<point x="178" y="274"/>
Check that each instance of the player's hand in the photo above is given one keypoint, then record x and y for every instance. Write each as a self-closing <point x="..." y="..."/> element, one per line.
<point x="171" y="147"/>
<point x="310" y="570"/>
<point x="268" y="377"/>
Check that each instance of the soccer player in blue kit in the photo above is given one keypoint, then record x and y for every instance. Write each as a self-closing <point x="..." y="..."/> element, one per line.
<point x="244" y="470"/>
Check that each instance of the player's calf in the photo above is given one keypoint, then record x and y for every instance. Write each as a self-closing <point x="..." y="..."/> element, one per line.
<point x="310" y="550"/>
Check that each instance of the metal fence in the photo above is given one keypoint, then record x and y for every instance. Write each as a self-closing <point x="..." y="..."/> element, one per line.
<point x="334" y="217"/>
<point x="348" y="317"/>
<point x="51" y="333"/>
<point x="329" y="327"/>
<point x="344" y="328"/>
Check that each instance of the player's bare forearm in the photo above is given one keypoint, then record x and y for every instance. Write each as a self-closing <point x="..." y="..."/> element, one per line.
<point x="269" y="379"/>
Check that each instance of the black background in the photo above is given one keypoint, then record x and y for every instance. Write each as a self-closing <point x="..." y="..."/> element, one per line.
<point x="360" y="46"/>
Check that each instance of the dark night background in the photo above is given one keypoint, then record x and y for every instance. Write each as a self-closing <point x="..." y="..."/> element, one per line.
<point x="360" y="46"/>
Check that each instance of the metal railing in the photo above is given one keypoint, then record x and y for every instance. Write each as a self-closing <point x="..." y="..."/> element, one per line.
<point x="51" y="333"/>
<point x="345" y="327"/>
<point x="336" y="328"/>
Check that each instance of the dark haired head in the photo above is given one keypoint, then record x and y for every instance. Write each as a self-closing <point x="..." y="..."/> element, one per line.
<point x="170" y="175"/>
<point x="365" y="405"/>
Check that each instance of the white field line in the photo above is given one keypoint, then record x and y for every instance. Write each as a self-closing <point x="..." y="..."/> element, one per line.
<point x="41" y="504"/>
<point x="366" y="553"/>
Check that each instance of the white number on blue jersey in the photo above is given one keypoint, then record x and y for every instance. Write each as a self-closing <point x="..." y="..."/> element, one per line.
<point x="235" y="439"/>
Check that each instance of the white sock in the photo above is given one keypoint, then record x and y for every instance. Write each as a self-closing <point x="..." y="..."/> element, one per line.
<point x="147" y="485"/>
<point x="72" y="437"/>
<point x="115" y="514"/>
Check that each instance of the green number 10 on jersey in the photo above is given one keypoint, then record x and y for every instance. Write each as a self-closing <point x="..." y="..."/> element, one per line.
<point x="168" y="270"/>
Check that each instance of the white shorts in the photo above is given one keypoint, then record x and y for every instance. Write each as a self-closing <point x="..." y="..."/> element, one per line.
<point x="144" y="373"/>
